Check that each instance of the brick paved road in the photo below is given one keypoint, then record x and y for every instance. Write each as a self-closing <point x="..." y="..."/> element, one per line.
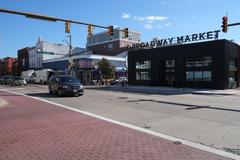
<point x="31" y="129"/>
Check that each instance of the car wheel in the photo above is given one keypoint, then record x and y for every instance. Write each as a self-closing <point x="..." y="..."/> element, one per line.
<point x="76" y="95"/>
<point x="50" y="91"/>
<point x="60" y="93"/>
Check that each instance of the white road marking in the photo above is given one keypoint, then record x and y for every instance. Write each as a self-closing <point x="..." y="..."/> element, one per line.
<point x="12" y="89"/>
<point x="170" y="138"/>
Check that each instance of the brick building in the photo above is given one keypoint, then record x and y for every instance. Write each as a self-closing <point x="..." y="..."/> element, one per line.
<point x="8" y="65"/>
<point x="1" y="67"/>
<point x="23" y="59"/>
<point x="103" y="44"/>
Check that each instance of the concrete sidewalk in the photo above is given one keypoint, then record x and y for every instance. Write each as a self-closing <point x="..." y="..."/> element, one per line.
<point x="32" y="129"/>
<point x="166" y="90"/>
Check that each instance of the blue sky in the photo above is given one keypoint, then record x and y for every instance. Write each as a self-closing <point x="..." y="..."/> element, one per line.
<point x="153" y="18"/>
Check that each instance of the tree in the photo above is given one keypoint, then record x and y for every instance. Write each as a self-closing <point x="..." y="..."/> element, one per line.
<point x="107" y="68"/>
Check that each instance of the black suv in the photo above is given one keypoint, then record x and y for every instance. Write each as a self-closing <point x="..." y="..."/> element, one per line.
<point x="62" y="84"/>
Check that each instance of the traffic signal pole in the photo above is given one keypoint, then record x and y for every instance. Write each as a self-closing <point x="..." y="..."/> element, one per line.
<point x="225" y="24"/>
<point x="48" y="18"/>
<point x="234" y="24"/>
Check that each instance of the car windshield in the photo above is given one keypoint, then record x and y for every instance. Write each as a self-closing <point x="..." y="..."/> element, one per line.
<point x="18" y="78"/>
<point x="69" y="80"/>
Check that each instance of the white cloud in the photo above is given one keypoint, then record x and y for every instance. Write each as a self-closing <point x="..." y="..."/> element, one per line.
<point x="126" y="15"/>
<point x="150" y="19"/>
<point x="168" y="24"/>
<point x="148" y="22"/>
<point x="148" y="26"/>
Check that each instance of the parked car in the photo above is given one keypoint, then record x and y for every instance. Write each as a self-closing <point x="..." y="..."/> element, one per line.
<point x="119" y="80"/>
<point x="6" y="80"/>
<point x="115" y="81"/>
<point x="18" y="81"/>
<point x="63" y="85"/>
<point x="1" y="80"/>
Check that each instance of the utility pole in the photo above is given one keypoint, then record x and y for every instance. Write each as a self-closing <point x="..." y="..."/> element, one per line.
<point x="70" y="52"/>
<point x="70" y="60"/>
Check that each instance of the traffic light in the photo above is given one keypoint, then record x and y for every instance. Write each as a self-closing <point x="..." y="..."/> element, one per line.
<point x="67" y="27"/>
<point x="90" y="30"/>
<point x="110" y="30"/>
<point x="225" y="24"/>
<point x="126" y="32"/>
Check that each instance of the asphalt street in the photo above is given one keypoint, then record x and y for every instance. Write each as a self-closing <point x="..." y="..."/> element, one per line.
<point x="212" y="120"/>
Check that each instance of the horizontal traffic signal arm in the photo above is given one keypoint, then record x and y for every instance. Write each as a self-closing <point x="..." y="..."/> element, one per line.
<point x="48" y="18"/>
<point x="51" y="18"/>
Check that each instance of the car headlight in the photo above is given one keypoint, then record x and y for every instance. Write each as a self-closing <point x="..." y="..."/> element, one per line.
<point x="81" y="86"/>
<point x="64" y="87"/>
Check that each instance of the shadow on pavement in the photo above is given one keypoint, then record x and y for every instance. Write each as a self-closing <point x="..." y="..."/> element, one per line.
<point x="190" y="107"/>
<point x="47" y="95"/>
<point x="141" y="90"/>
<point x="215" y="108"/>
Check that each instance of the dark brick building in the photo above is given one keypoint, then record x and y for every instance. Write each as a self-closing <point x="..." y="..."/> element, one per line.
<point x="23" y="59"/>
<point x="1" y="67"/>
<point x="8" y="65"/>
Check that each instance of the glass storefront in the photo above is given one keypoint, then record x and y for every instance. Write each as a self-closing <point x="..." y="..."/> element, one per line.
<point x="170" y="71"/>
<point x="198" y="69"/>
<point x="232" y="82"/>
<point x="143" y="69"/>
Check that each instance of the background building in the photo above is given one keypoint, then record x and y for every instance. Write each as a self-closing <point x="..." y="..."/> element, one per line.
<point x="103" y="44"/>
<point x="44" y="51"/>
<point x="212" y="64"/>
<point x="1" y="67"/>
<point x="23" y="59"/>
<point x="8" y="65"/>
<point x="33" y="57"/>
<point x="15" y="68"/>
<point x="85" y="65"/>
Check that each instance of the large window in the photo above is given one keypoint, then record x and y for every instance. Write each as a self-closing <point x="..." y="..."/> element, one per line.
<point x="232" y="73"/>
<point x="199" y="69"/>
<point x="170" y="71"/>
<point x="200" y="62"/>
<point x="143" y="65"/>
<point x="170" y="66"/>
<point x="143" y="69"/>
<point x="142" y="75"/>
<point x="199" y="76"/>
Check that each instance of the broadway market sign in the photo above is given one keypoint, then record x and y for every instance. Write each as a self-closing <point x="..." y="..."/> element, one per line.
<point x="177" y="40"/>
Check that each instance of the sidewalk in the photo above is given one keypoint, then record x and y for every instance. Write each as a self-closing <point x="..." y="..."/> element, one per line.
<point x="31" y="129"/>
<point x="166" y="90"/>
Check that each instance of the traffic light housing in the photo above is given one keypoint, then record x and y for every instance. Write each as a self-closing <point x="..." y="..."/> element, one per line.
<point x="225" y="24"/>
<point x="126" y="32"/>
<point x="67" y="27"/>
<point x="90" y="30"/>
<point x="110" y="30"/>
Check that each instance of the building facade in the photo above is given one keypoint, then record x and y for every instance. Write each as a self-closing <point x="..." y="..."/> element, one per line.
<point x="1" y="67"/>
<point x="8" y="65"/>
<point x="103" y="44"/>
<point x="15" y="68"/>
<point x="85" y="65"/>
<point x="212" y="64"/>
<point x="23" y="59"/>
